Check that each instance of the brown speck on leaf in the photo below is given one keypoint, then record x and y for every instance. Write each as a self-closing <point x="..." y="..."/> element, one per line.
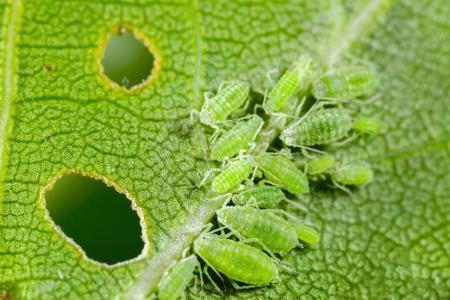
<point x="48" y="69"/>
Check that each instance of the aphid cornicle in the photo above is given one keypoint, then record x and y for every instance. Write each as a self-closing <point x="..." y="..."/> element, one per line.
<point x="264" y="196"/>
<point x="346" y="83"/>
<point x="293" y="80"/>
<point x="228" y="100"/>
<point x="236" y="260"/>
<point x="320" y="127"/>
<point x="367" y="125"/>
<point x="236" y="139"/>
<point x="353" y="174"/>
<point x="175" y="282"/>
<point x="233" y="175"/>
<point x="274" y="232"/>
<point x="283" y="172"/>
<point x="306" y="233"/>
<point x="321" y="165"/>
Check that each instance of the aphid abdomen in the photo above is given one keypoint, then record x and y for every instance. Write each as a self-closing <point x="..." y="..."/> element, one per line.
<point x="236" y="260"/>
<point x="353" y="174"/>
<point x="278" y="235"/>
<point x="233" y="175"/>
<point x="346" y="83"/>
<point x="264" y="196"/>
<point x="320" y="127"/>
<point x="283" y="172"/>
<point x="175" y="282"/>
<point x="238" y="138"/>
<point x="291" y="81"/>
<point x="321" y="165"/>
<point x="306" y="233"/>
<point x="227" y="101"/>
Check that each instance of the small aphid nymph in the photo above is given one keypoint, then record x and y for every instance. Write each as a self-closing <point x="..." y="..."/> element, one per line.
<point x="233" y="175"/>
<point x="320" y="127"/>
<point x="306" y="233"/>
<point x="281" y="171"/>
<point x="346" y="83"/>
<point x="321" y="165"/>
<point x="274" y="232"/>
<point x="175" y="282"/>
<point x="263" y="196"/>
<point x="228" y="100"/>
<point x="353" y="174"/>
<point x="292" y="81"/>
<point x="367" y="125"/>
<point x="236" y="260"/>
<point x="236" y="139"/>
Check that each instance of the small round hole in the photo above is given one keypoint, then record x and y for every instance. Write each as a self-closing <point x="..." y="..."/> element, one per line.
<point x="100" y="220"/>
<point x="126" y="60"/>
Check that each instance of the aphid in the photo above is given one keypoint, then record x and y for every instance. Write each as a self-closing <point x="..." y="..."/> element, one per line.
<point x="233" y="175"/>
<point x="238" y="138"/>
<point x="264" y="196"/>
<point x="319" y="127"/>
<point x="175" y="282"/>
<point x="293" y="80"/>
<point x="353" y="174"/>
<point x="236" y="260"/>
<point x="306" y="233"/>
<point x="283" y="172"/>
<point x="346" y="83"/>
<point x="367" y="125"/>
<point x="321" y="165"/>
<point x="274" y="232"/>
<point x="228" y="100"/>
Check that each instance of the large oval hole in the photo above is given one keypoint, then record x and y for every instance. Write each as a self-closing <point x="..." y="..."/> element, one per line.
<point x="126" y="59"/>
<point x="96" y="217"/>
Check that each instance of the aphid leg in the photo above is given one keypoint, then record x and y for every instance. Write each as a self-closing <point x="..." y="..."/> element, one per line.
<point x="344" y="142"/>
<point x="205" y="271"/>
<point x="243" y="287"/>
<point x="284" y="213"/>
<point x="205" y="178"/>
<point x="343" y="188"/>
<point x="297" y="205"/>
<point x="300" y="106"/>
<point x="269" y="75"/>
<point x="305" y="150"/>
<point x="259" y="243"/>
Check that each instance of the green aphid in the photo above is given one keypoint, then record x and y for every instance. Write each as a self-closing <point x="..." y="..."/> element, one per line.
<point x="236" y="260"/>
<point x="233" y="175"/>
<point x="353" y="174"/>
<point x="291" y="82"/>
<point x="281" y="171"/>
<point x="264" y="196"/>
<point x="320" y="127"/>
<point x="321" y="165"/>
<point x="238" y="138"/>
<point x="227" y="101"/>
<point x="274" y="232"/>
<point x="367" y="125"/>
<point x="306" y="233"/>
<point x="177" y="279"/>
<point x="346" y="83"/>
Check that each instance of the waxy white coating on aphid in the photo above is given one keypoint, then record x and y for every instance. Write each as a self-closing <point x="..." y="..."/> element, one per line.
<point x="236" y="260"/>
<point x="292" y="81"/>
<point x="318" y="128"/>
<point x="236" y="139"/>
<point x="175" y="282"/>
<point x="367" y="125"/>
<point x="283" y="172"/>
<point x="274" y="232"/>
<point x="346" y="83"/>
<point x="306" y="233"/>
<point x="353" y="174"/>
<point x="233" y="175"/>
<point x="227" y="100"/>
<point x="321" y="165"/>
<point x="264" y="196"/>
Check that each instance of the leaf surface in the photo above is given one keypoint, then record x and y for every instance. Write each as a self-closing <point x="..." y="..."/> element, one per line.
<point x="389" y="240"/>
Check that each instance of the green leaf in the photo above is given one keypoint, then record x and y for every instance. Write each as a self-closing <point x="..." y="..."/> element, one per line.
<point x="389" y="240"/>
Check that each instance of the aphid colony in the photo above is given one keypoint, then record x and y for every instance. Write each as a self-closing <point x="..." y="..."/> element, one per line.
<point x="256" y="176"/>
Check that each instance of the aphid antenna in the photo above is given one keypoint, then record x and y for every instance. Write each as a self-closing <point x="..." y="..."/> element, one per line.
<point x="244" y="287"/>
<point x="345" y="141"/>
<point x="261" y="244"/>
<point x="297" y="205"/>
<point x="205" y="178"/>
<point x="299" y="108"/>
<point x="284" y="213"/>
<point x="284" y="115"/>
<point x="270" y="73"/>
<point x="342" y="188"/>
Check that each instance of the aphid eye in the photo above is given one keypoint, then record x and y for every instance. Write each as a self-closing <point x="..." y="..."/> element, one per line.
<point x="353" y="174"/>
<point x="367" y="125"/>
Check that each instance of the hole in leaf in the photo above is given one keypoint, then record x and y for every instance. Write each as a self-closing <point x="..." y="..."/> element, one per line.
<point x="96" y="217"/>
<point x="126" y="59"/>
